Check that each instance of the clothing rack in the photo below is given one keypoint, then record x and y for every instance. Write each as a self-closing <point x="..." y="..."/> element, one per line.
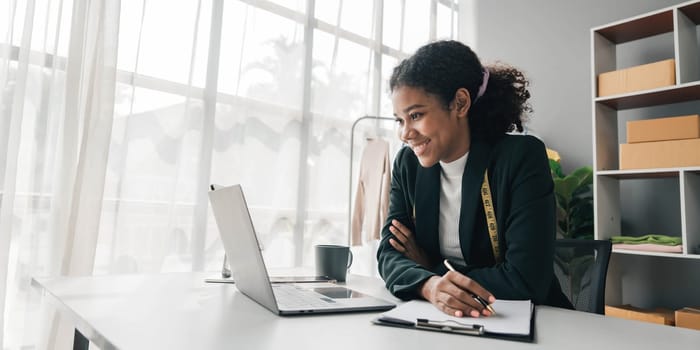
<point x="352" y="144"/>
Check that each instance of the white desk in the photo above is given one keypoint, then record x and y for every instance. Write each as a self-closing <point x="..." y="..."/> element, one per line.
<point x="179" y="311"/>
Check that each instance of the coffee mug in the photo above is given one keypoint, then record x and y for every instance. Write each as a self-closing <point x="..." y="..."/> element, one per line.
<point x="333" y="261"/>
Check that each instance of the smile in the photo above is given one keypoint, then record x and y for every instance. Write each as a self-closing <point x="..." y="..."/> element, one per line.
<point x="420" y="148"/>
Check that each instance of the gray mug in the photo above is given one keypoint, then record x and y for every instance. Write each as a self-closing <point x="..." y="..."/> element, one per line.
<point x="333" y="261"/>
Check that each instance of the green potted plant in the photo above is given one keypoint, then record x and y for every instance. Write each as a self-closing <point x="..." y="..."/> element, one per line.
<point x="574" y="194"/>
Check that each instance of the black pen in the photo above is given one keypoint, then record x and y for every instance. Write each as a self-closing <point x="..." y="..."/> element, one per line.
<point x="476" y="297"/>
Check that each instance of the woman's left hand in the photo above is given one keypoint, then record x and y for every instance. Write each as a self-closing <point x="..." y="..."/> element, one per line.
<point x="405" y="242"/>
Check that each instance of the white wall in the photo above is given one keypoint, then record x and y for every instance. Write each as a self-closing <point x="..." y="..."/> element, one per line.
<point x="550" y="41"/>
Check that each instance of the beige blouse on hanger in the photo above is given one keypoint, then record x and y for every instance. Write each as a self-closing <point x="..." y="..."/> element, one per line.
<point x="372" y="196"/>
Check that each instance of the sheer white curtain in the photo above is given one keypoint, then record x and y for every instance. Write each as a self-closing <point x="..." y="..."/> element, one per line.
<point x="57" y="121"/>
<point x="115" y="116"/>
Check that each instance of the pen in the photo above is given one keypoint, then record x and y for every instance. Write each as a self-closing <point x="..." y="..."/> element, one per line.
<point x="476" y="297"/>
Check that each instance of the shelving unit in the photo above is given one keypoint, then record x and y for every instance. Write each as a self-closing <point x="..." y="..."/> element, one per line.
<point x="681" y="25"/>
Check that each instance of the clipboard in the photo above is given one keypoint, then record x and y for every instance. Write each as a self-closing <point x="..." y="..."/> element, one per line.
<point x="464" y="326"/>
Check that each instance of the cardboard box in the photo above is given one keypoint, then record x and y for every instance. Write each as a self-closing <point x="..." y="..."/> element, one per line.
<point x="664" y="129"/>
<point x="644" y="77"/>
<point x="659" y="315"/>
<point x="660" y="154"/>
<point x="688" y="318"/>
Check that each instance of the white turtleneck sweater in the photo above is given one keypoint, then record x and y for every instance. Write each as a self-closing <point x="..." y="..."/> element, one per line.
<point x="450" y="205"/>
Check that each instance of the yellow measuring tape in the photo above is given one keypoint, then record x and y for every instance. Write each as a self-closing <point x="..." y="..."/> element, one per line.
<point x="490" y="216"/>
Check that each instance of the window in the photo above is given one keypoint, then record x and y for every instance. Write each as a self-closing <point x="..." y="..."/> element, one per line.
<point x="237" y="91"/>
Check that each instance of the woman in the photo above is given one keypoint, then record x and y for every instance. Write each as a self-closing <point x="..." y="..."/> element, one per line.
<point x="454" y="114"/>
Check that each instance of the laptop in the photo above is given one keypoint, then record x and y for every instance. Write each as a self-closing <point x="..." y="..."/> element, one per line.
<point x="248" y="267"/>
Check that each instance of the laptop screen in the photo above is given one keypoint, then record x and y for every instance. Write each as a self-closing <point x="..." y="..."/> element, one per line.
<point x="241" y="245"/>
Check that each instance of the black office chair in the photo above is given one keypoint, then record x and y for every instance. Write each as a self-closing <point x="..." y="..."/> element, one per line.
<point x="581" y="266"/>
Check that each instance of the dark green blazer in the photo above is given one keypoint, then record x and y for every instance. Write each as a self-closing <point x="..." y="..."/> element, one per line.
<point x="525" y="208"/>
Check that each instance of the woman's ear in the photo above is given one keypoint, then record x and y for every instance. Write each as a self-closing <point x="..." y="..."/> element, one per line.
<point x="462" y="102"/>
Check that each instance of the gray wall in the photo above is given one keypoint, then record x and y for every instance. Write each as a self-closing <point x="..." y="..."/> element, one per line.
<point x="550" y="41"/>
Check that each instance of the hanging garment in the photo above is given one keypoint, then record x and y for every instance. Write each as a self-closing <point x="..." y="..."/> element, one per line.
<point x="372" y="197"/>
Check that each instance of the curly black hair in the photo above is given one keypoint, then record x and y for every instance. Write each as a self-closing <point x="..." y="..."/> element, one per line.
<point x="442" y="67"/>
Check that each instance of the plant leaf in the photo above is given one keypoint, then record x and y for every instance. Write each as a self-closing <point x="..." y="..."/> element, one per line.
<point x="555" y="169"/>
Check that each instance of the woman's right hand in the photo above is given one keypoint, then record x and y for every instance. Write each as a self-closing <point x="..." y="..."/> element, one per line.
<point x="452" y="293"/>
<point x="405" y="242"/>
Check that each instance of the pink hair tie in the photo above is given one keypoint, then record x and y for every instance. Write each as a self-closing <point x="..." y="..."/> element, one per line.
<point x="483" y="86"/>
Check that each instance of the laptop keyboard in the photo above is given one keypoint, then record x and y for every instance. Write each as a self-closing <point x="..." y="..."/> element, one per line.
<point x="291" y="297"/>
